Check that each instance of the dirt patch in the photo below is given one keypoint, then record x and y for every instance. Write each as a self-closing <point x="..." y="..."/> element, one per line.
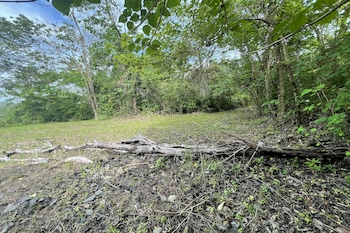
<point x="130" y="193"/>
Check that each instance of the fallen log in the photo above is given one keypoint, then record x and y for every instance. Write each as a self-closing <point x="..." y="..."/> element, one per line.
<point x="35" y="151"/>
<point x="333" y="153"/>
<point x="143" y="146"/>
<point x="32" y="161"/>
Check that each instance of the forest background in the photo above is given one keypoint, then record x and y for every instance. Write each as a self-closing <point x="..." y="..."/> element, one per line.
<point x="287" y="59"/>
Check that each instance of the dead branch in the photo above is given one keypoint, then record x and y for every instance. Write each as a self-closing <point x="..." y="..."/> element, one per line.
<point x="141" y="145"/>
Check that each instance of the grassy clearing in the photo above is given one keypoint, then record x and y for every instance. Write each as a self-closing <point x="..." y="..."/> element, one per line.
<point x="172" y="128"/>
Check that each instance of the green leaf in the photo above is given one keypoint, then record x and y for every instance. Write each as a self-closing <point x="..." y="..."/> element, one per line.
<point x="146" y="29"/>
<point x="131" y="46"/>
<point x="136" y="5"/>
<point x="130" y="25"/>
<point x="153" y="19"/>
<point x="318" y="4"/>
<point x="143" y="13"/>
<point x="155" y="44"/>
<point x="313" y="130"/>
<point x="59" y="5"/>
<point x="77" y="2"/>
<point x="123" y="19"/>
<point x="321" y="86"/>
<point x="145" y="41"/>
<point x="150" y="51"/>
<point x="330" y="2"/>
<point x="67" y="2"/>
<point x="129" y="3"/>
<point x="94" y="1"/>
<point x="347" y="153"/>
<point x="148" y="3"/>
<point x="328" y="18"/>
<point x="135" y="17"/>
<point x="127" y="12"/>
<point x="301" y="129"/>
<point x="172" y="3"/>
<point x="280" y="27"/>
<point x="166" y="12"/>
<point x="306" y="91"/>
<point x="298" y="21"/>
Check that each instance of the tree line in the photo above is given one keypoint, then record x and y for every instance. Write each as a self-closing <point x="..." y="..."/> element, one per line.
<point x="288" y="59"/>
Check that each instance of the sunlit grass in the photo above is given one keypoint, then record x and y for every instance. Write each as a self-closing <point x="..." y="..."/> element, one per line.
<point x="171" y="128"/>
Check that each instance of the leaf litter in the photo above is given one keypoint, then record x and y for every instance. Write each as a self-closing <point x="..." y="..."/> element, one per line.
<point x="182" y="193"/>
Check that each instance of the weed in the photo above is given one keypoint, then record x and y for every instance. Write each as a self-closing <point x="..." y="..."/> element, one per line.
<point x="261" y="175"/>
<point x="161" y="219"/>
<point x="314" y="164"/>
<point x="249" y="207"/>
<point x="262" y="201"/>
<point x="276" y="182"/>
<point x="263" y="189"/>
<point x="259" y="160"/>
<point x="112" y="229"/>
<point x="211" y="209"/>
<point x="273" y="169"/>
<point x="306" y="217"/>
<point x="238" y="217"/>
<point x="295" y="162"/>
<point x="347" y="178"/>
<point x="213" y="182"/>
<point x="214" y="166"/>
<point x="330" y="167"/>
<point x="160" y="163"/>
<point x="235" y="186"/>
<point x="68" y="165"/>
<point x="142" y="228"/>
<point x="57" y="179"/>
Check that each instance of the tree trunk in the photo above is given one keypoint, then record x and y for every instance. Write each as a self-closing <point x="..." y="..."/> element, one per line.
<point x="254" y="87"/>
<point x="289" y="70"/>
<point x="281" y="84"/>
<point x="86" y="70"/>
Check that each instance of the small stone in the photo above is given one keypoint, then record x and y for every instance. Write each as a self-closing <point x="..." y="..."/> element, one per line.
<point x="98" y="192"/>
<point x="91" y="198"/>
<point x="273" y="224"/>
<point x="10" y="207"/>
<point x="78" y="159"/>
<point x="89" y="212"/>
<point x="158" y="230"/>
<point x="221" y="206"/>
<point x="172" y="198"/>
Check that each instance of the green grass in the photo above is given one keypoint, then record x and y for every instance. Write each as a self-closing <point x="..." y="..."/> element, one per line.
<point x="171" y="129"/>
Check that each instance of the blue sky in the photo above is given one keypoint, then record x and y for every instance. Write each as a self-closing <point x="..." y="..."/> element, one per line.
<point x="40" y="9"/>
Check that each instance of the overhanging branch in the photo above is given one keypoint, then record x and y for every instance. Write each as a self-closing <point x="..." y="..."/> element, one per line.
<point x="302" y="28"/>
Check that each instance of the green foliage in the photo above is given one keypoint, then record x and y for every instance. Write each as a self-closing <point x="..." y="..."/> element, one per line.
<point x="347" y="178"/>
<point x="65" y="5"/>
<point x="160" y="163"/>
<point x="314" y="164"/>
<point x="169" y="60"/>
